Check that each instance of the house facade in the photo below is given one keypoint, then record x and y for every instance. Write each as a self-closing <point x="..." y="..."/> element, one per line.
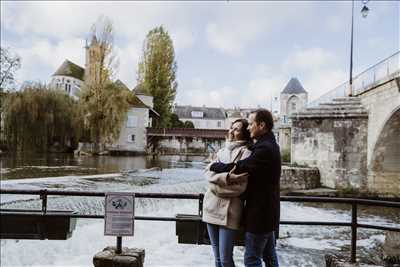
<point x="132" y="137"/>
<point x="202" y="117"/>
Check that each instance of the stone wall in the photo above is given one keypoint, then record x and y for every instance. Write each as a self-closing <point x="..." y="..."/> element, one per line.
<point x="299" y="178"/>
<point x="334" y="139"/>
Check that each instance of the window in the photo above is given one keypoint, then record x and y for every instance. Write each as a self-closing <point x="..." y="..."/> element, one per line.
<point x="132" y="121"/>
<point x="132" y="139"/>
<point x="67" y="88"/>
<point x="219" y="124"/>
<point x="293" y="106"/>
<point x="197" y="114"/>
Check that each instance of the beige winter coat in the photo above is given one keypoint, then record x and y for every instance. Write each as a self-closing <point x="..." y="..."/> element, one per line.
<point x="222" y="205"/>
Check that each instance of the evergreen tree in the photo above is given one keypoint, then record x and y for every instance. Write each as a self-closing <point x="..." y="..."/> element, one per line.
<point x="157" y="73"/>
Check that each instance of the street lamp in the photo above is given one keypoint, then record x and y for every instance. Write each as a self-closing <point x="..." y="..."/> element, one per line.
<point x="364" y="13"/>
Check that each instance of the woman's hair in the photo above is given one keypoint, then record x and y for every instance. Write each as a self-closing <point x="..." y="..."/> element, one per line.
<point x="244" y="131"/>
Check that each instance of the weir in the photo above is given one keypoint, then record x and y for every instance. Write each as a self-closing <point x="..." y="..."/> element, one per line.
<point x="190" y="228"/>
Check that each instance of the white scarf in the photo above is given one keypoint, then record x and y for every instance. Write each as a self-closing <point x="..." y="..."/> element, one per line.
<point x="225" y="154"/>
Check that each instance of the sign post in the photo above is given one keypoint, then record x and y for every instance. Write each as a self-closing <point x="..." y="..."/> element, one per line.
<point x="119" y="216"/>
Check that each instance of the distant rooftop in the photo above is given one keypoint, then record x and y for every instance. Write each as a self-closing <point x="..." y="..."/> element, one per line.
<point x="207" y="113"/>
<point x="133" y="99"/>
<point x="70" y="69"/>
<point x="139" y="90"/>
<point x="294" y="87"/>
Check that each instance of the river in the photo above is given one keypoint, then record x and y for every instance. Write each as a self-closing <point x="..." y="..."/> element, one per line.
<point x="298" y="245"/>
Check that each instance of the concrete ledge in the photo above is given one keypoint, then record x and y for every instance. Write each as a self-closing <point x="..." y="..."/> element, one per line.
<point x="335" y="261"/>
<point x="129" y="257"/>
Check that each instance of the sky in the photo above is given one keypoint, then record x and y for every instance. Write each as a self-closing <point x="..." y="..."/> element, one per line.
<point x="229" y="53"/>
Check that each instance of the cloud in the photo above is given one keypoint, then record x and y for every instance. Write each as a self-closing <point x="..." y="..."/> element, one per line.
<point x="319" y="69"/>
<point x="44" y="34"/>
<point x="128" y="57"/>
<point x="260" y="91"/>
<point x="42" y="58"/>
<point x="239" y="25"/>
<point x="309" y="59"/>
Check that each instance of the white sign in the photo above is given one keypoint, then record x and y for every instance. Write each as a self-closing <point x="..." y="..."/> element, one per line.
<point x="119" y="214"/>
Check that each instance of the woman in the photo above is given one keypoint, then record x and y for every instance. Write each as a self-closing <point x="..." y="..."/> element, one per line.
<point x="222" y="207"/>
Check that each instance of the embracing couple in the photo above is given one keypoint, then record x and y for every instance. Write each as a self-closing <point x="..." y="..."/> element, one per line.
<point x="243" y="191"/>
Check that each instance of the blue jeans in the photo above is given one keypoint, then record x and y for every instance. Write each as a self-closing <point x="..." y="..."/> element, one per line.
<point x="260" y="246"/>
<point x="222" y="241"/>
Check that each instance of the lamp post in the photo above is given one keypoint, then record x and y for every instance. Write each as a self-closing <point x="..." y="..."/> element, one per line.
<point x="364" y="13"/>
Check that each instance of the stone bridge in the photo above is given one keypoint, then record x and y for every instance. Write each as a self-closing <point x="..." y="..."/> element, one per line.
<point x="355" y="141"/>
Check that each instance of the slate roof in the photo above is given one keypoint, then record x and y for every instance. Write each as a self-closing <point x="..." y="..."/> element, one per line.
<point x="133" y="99"/>
<point x="208" y="113"/>
<point x="70" y="69"/>
<point x="294" y="87"/>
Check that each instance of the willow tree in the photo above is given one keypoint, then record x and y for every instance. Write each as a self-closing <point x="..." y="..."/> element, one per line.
<point x="38" y="117"/>
<point x="157" y="73"/>
<point x="103" y="102"/>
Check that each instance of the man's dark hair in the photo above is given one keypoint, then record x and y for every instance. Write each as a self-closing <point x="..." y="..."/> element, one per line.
<point x="264" y="115"/>
<point x="244" y="131"/>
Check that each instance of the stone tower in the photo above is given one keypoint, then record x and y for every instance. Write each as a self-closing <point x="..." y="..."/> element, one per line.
<point x="293" y="99"/>
<point x="92" y="51"/>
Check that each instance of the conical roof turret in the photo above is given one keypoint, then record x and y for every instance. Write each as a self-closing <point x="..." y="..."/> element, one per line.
<point x="294" y="87"/>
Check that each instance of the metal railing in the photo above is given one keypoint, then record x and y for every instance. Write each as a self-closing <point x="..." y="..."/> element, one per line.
<point x="386" y="68"/>
<point x="353" y="224"/>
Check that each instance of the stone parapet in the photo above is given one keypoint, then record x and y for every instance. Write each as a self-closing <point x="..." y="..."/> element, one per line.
<point x="348" y="107"/>
<point x="299" y="178"/>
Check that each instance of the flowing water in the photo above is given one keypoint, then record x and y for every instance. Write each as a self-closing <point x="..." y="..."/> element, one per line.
<point x="298" y="245"/>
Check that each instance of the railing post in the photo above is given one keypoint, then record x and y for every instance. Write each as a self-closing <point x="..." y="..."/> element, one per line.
<point x="43" y="197"/>
<point x="201" y="197"/>
<point x="353" y="232"/>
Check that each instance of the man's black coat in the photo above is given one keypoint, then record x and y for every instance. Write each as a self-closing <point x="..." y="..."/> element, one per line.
<point x="262" y="208"/>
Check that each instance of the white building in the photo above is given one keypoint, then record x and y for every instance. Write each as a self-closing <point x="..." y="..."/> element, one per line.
<point x="202" y="117"/>
<point x="133" y="132"/>
<point x="68" y="77"/>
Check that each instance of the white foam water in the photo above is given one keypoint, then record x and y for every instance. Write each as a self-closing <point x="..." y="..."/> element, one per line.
<point x="298" y="245"/>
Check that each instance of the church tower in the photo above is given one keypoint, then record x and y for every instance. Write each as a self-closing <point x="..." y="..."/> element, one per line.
<point x="92" y="50"/>
<point x="293" y="99"/>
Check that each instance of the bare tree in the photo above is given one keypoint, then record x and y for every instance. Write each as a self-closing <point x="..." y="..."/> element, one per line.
<point x="10" y="63"/>
<point x="103" y="102"/>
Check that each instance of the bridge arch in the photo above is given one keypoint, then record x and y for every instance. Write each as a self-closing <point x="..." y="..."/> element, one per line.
<point x="384" y="167"/>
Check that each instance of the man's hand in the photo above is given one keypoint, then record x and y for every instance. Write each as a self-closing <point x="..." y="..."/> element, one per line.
<point x="233" y="178"/>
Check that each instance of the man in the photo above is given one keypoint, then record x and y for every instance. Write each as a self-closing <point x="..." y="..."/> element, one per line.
<point x="262" y="208"/>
